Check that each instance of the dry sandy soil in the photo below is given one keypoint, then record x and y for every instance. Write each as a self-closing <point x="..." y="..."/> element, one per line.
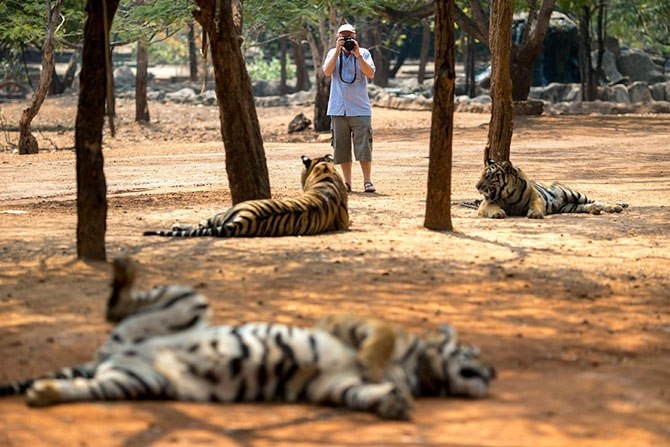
<point x="573" y="310"/>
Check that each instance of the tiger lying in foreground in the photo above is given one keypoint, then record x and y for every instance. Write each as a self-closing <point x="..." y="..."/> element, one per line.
<point x="321" y="208"/>
<point x="165" y="348"/>
<point x="509" y="192"/>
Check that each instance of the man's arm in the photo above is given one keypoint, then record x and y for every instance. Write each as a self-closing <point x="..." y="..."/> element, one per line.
<point x="366" y="68"/>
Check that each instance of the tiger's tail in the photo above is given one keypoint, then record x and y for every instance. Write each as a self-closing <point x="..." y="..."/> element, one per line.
<point x="20" y="387"/>
<point x="195" y="232"/>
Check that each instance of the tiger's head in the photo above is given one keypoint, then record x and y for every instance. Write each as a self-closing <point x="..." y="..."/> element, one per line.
<point x="321" y="169"/>
<point x="495" y="179"/>
<point x="452" y="369"/>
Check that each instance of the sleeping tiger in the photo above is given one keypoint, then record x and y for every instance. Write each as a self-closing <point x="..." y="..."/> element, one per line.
<point x="322" y="207"/>
<point x="164" y="347"/>
<point x="509" y="192"/>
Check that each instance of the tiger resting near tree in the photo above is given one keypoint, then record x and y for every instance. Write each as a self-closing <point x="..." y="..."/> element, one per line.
<point x="509" y="192"/>
<point x="321" y="208"/>
<point x="164" y="347"/>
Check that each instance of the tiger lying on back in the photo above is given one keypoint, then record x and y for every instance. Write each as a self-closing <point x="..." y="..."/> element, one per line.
<point x="321" y="208"/>
<point x="509" y="192"/>
<point x="164" y="347"/>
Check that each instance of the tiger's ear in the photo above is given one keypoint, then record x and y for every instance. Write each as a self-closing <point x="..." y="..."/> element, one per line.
<point x="507" y="166"/>
<point x="490" y="161"/>
<point x="329" y="157"/>
<point x="306" y="160"/>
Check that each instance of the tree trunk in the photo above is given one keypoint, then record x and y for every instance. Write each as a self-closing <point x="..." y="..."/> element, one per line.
<point x="425" y="50"/>
<point x="91" y="183"/>
<point x="302" y="82"/>
<point x="141" y="103"/>
<point x="27" y="141"/>
<point x="525" y="54"/>
<point x="321" y="119"/>
<point x="56" y="86"/>
<point x="245" y="157"/>
<point x="438" y="198"/>
<point x="192" y="54"/>
<point x="502" y="110"/>
<point x="318" y="44"/>
<point x="71" y="70"/>
<point x="382" y="70"/>
<point x="470" y="53"/>
<point x="586" y="66"/>
<point x="283" y="88"/>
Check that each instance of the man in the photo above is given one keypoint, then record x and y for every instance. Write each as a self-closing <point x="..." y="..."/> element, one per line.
<point x="349" y="67"/>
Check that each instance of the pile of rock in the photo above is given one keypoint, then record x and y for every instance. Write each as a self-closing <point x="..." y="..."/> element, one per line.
<point x="636" y="86"/>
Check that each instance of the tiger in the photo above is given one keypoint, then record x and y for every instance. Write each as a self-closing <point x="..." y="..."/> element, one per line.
<point x="164" y="347"/>
<point x="321" y="208"/>
<point x="508" y="191"/>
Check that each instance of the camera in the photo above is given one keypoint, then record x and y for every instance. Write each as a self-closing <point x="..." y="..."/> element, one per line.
<point x="349" y="43"/>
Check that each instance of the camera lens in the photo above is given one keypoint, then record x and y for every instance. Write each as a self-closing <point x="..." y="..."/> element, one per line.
<point x="349" y="43"/>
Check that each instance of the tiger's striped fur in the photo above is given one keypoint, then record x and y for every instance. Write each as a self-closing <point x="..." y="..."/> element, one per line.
<point x="165" y="348"/>
<point x="321" y="208"/>
<point x="509" y="192"/>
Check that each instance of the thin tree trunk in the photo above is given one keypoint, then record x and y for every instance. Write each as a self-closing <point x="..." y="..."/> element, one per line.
<point x="382" y="71"/>
<point x="502" y="107"/>
<point x="302" y="81"/>
<point x="438" y="198"/>
<point x="318" y="46"/>
<point x="192" y="54"/>
<point x="245" y="157"/>
<point x="56" y="86"/>
<point x="283" y="89"/>
<point x="588" y="81"/>
<point x="91" y="183"/>
<point x="27" y="141"/>
<point x="425" y="49"/>
<point x="71" y="70"/>
<point x="470" y="49"/>
<point x="141" y="103"/>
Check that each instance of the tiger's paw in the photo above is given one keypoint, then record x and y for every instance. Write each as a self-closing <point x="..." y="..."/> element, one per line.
<point x="499" y="214"/>
<point x="532" y="214"/>
<point x="43" y="393"/>
<point x="397" y="404"/>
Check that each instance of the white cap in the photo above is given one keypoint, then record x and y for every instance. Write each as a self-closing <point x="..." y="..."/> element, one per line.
<point x="346" y="27"/>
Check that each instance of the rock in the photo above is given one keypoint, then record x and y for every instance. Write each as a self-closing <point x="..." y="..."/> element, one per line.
<point x="530" y="107"/>
<point x="639" y="92"/>
<point x="638" y="66"/>
<point x="123" y="77"/>
<point x="184" y="95"/>
<point x="299" y="123"/>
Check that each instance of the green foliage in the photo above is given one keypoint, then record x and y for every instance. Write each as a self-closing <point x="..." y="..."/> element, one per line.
<point x="261" y="69"/>
<point x="171" y="50"/>
<point x="643" y="23"/>
<point x="151" y="20"/>
<point x="638" y="23"/>
<point x="24" y="23"/>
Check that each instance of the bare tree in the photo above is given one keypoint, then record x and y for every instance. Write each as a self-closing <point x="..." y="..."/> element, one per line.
<point x="438" y="199"/>
<point x="27" y="141"/>
<point x="502" y="110"/>
<point x="91" y="183"/>
<point x="245" y="156"/>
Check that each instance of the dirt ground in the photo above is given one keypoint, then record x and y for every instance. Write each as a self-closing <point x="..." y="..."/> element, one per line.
<point x="573" y="310"/>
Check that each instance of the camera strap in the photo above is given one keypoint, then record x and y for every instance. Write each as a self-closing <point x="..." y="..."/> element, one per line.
<point x="342" y="63"/>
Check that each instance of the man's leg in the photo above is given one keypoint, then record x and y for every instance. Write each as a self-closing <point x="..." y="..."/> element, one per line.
<point x="366" y="167"/>
<point x="346" y="172"/>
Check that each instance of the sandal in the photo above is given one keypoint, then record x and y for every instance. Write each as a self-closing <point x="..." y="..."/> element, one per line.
<point x="369" y="187"/>
<point x="348" y="186"/>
